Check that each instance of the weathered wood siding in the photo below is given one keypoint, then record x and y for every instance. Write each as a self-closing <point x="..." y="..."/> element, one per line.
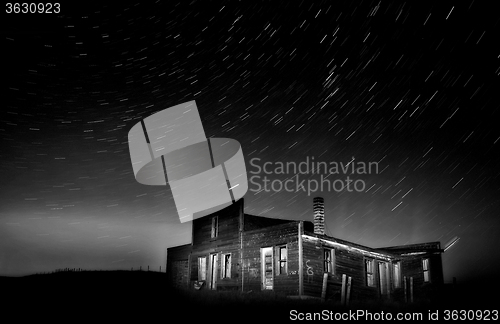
<point x="411" y="257"/>
<point x="228" y="227"/>
<point x="179" y="278"/>
<point x="279" y="235"/>
<point x="227" y="240"/>
<point x="412" y="267"/>
<point x="244" y="236"/>
<point x="256" y="222"/>
<point x="228" y="283"/>
<point x="436" y="265"/>
<point x="178" y="266"/>
<point x="350" y="262"/>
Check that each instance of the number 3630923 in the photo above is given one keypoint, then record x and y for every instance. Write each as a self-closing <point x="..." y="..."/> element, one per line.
<point x="25" y="7"/>
<point x="470" y="315"/>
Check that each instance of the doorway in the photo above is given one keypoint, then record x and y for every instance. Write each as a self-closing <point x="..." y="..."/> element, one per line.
<point x="267" y="268"/>
<point x="213" y="271"/>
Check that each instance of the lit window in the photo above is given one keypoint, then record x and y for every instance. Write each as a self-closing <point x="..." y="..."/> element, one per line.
<point x="282" y="259"/>
<point x="328" y="260"/>
<point x="425" y="267"/>
<point x="226" y="266"/>
<point x="215" y="227"/>
<point x="370" y="273"/>
<point x="267" y="268"/>
<point x="202" y="268"/>
<point x="397" y="274"/>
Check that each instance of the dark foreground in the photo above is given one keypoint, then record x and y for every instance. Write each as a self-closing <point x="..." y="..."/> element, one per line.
<point x="140" y="296"/>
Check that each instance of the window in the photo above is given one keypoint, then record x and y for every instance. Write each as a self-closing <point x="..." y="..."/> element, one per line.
<point x="215" y="227"/>
<point x="397" y="274"/>
<point x="328" y="260"/>
<point x="370" y="272"/>
<point x="282" y="254"/>
<point x="425" y="267"/>
<point x="226" y="266"/>
<point x="214" y="267"/>
<point x="202" y="268"/>
<point x="267" y="268"/>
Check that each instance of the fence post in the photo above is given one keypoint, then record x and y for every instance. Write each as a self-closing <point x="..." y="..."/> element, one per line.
<point x="342" y="293"/>
<point x="404" y="287"/>
<point x="325" y="281"/>
<point x="348" y="290"/>
<point x="411" y="289"/>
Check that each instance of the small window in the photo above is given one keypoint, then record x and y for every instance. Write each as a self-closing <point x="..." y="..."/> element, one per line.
<point x="282" y="259"/>
<point x="370" y="272"/>
<point x="202" y="268"/>
<point x="215" y="227"/>
<point x="425" y="267"/>
<point x="328" y="260"/>
<point x="397" y="274"/>
<point x="226" y="266"/>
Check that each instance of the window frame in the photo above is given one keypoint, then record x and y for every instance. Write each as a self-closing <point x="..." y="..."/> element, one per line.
<point x="280" y="260"/>
<point x="214" y="229"/>
<point x="370" y="276"/>
<point x="226" y="261"/>
<point x="202" y="270"/>
<point x="426" y="269"/>
<point x="329" y="265"/>
<point x="267" y="266"/>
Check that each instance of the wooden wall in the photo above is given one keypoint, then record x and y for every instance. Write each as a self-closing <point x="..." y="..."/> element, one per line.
<point x="228" y="220"/>
<point x="243" y="236"/>
<point x="348" y="262"/>
<point x="436" y="265"/>
<point x="178" y="265"/>
<point x="412" y="267"/>
<point x="227" y="241"/>
<point x="275" y="236"/>
<point x="252" y="223"/>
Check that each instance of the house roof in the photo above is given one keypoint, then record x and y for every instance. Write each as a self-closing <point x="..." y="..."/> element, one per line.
<point x="253" y="222"/>
<point x="256" y="222"/>
<point x="414" y="249"/>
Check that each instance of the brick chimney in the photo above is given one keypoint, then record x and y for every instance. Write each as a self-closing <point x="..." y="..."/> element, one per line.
<point x="319" y="215"/>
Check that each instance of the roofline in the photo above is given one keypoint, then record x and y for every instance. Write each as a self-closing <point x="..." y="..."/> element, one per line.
<point x="373" y="253"/>
<point x="283" y="219"/>
<point x="416" y="248"/>
<point x="348" y="243"/>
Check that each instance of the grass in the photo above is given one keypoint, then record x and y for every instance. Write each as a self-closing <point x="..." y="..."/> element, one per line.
<point x="143" y="293"/>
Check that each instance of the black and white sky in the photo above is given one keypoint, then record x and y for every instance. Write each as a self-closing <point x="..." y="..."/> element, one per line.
<point x="410" y="85"/>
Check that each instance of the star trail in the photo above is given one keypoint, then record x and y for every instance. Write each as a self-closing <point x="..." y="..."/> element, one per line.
<point x="410" y="86"/>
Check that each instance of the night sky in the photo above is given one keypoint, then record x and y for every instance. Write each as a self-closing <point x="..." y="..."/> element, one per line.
<point x="412" y="86"/>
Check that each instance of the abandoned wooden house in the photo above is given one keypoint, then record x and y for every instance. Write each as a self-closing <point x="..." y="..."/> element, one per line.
<point x="231" y="250"/>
